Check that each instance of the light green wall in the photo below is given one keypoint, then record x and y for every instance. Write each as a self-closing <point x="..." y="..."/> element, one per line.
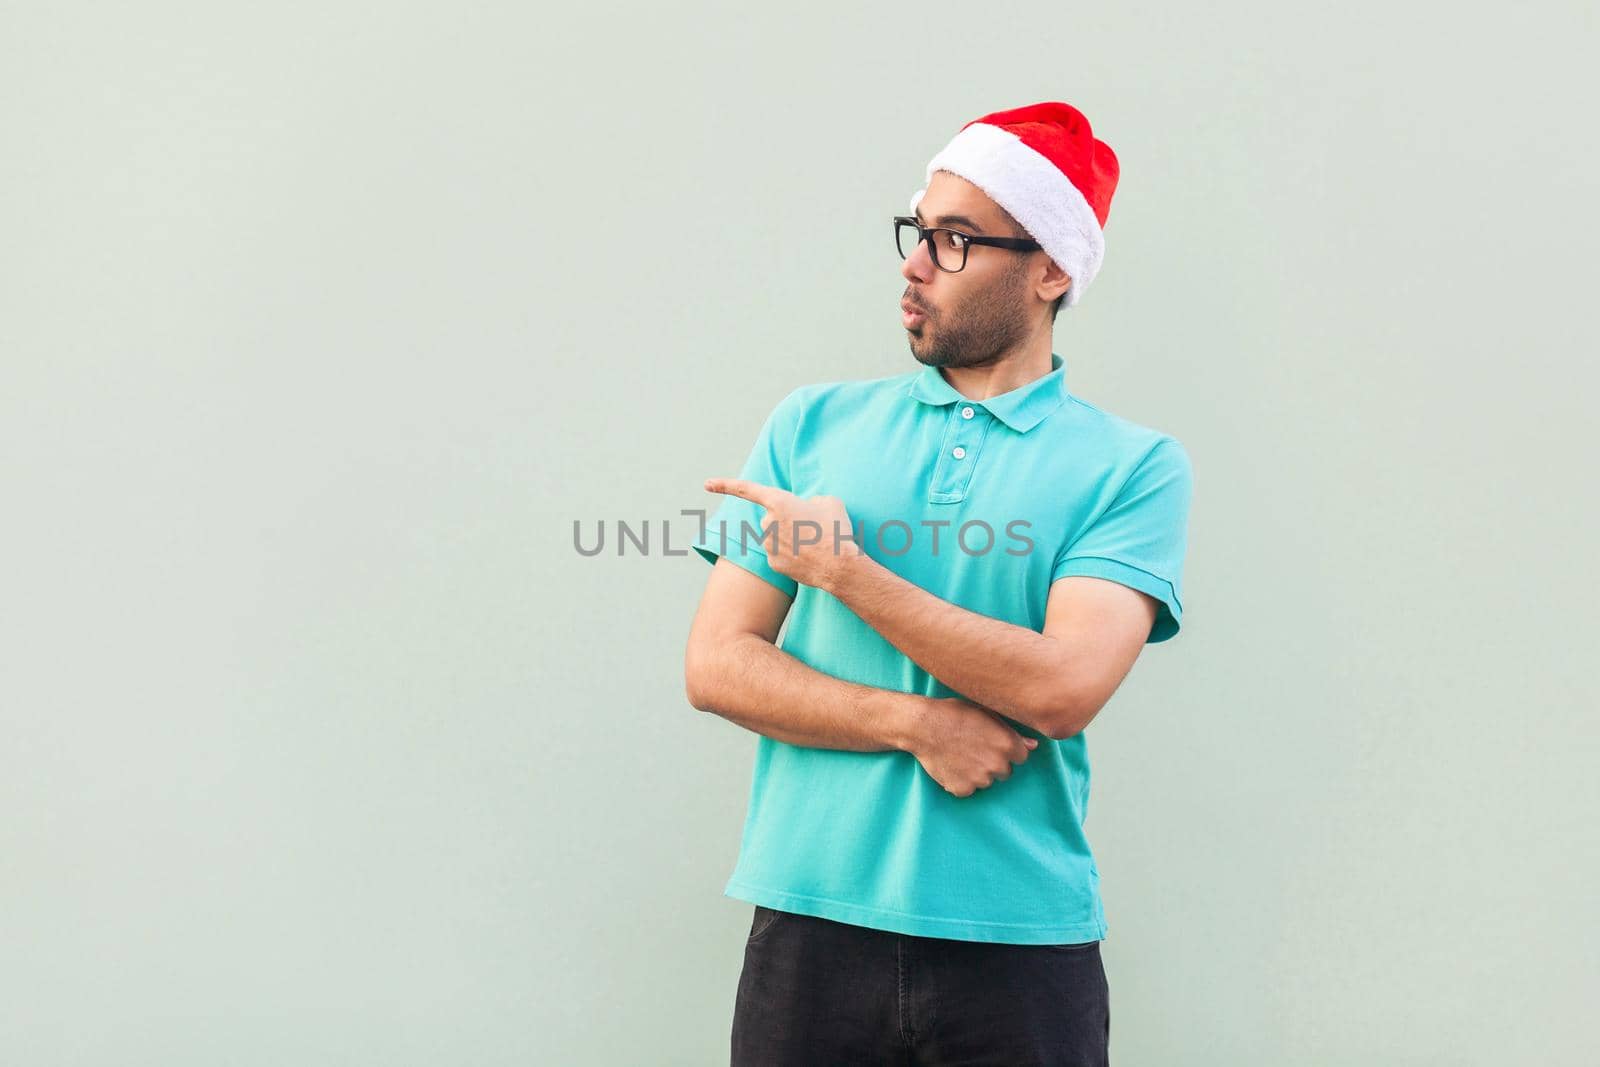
<point x="320" y="324"/>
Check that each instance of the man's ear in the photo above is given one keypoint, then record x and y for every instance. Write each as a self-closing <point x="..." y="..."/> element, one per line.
<point x="1055" y="281"/>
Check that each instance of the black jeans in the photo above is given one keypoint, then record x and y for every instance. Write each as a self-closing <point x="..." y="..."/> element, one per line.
<point x="823" y="994"/>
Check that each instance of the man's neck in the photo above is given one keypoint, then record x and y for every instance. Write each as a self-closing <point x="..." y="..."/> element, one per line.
<point x="1011" y="371"/>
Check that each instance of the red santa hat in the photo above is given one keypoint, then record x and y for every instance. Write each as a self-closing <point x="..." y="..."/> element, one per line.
<point x="1047" y="169"/>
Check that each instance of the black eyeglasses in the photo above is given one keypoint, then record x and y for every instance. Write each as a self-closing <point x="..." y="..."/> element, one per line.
<point x="949" y="246"/>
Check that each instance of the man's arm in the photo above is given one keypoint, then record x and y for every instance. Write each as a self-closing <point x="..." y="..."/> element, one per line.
<point x="1055" y="681"/>
<point x="733" y="668"/>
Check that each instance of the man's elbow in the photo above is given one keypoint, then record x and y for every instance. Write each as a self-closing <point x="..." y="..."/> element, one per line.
<point x="697" y="677"/>
<point x="1063" y="710"/>
<point x="704" y="668"/>
<point x="1063" y="723"/>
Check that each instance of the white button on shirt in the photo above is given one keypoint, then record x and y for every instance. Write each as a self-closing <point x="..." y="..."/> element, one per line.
<point x="959" y="452"/>
<point x="966" y="413"/>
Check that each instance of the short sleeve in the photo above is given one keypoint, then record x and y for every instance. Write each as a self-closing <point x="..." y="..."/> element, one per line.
<point x="734" y="528"/>
<point x="1140" y="540"/>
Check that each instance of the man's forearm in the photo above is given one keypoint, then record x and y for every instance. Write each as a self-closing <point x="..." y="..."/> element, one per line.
<point x="1015" y="671"/>
<point x="750" y="681"/>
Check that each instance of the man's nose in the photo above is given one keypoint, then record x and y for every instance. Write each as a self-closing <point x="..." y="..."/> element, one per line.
<point x="918" y="266"/>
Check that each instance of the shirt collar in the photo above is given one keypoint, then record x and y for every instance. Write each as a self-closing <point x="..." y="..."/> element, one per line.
<point x="1022" y="408"/>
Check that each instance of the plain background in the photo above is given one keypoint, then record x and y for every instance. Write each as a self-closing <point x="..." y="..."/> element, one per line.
<point x="323" y="323"/>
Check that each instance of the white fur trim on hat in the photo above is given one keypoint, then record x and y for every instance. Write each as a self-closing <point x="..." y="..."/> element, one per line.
<point x="1034" y="191"/>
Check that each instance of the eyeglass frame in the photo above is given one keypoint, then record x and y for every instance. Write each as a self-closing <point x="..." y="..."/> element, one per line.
<point x="925" y="234"/>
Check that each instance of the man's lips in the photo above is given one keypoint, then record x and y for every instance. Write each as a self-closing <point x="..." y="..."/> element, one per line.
<point x="910" y="314"/>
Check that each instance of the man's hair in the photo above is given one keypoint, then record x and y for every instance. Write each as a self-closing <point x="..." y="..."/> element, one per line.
<point x="1017" y="230"/>
<point x="1022" y="268"/>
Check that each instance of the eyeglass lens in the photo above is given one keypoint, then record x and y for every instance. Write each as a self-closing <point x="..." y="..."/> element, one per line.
<point x="949" y="250"/>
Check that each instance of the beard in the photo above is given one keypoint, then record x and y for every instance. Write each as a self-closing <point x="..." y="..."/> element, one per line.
<point x="986" y="326"/>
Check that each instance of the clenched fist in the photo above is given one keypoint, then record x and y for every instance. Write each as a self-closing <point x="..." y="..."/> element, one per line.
<point x="965" y="747"/>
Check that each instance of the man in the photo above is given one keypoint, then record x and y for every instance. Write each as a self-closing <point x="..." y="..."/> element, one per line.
<point x="969" y="559"/>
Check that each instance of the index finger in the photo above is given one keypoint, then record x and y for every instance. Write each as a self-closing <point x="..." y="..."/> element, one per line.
<point x="765" y="495"/>
<point x="1020" y="749"/>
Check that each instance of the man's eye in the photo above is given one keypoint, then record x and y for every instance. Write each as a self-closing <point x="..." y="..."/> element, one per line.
<point x="954" y="240"/>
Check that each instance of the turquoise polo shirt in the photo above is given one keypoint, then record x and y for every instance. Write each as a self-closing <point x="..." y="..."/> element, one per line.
<point x="983" y="503"/>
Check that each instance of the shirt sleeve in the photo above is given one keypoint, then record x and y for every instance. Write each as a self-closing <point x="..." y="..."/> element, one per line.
<point x="734" y="528"/>
<point x="1140" y="540"/>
